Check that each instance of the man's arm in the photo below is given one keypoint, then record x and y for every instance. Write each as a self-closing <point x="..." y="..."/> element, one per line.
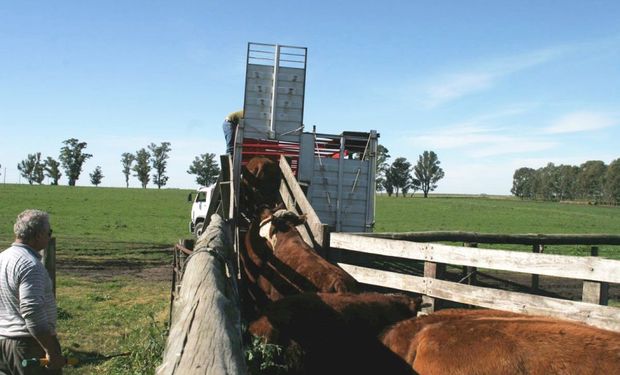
<point x="51" y="346"/>
<point x="33" y="310"/>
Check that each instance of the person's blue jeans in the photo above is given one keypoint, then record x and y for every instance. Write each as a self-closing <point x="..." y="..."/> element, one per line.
<point x="229" y="133"/>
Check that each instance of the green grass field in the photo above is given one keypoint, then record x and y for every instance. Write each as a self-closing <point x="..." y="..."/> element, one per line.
<point x="101" y="229"/>
<point x="499" y="215"/>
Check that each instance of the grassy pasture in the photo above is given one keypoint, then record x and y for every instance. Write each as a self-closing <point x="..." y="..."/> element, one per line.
<point x="499" y="215"/>
<point x="102" y="230"/>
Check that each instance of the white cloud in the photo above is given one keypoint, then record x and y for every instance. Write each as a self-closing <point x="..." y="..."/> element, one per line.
<point x="457" y="85"/>
<point x="581" y="122"/>
<point x="485" y="75"/>
<point x="475" y="138"/>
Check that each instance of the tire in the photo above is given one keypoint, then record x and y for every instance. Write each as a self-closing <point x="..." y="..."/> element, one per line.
<point x="199" y="228"/>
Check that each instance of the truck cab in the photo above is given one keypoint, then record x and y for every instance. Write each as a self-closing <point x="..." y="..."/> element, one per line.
<point x="200" y="206"/>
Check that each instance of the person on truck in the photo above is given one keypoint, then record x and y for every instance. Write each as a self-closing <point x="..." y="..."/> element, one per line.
<point x="230" y="129"/>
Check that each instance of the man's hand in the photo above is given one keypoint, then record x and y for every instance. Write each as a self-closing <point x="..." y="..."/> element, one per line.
<point x="56" y="361"/>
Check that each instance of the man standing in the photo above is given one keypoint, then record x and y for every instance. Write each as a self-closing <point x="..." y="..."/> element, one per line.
<point x="27" y="304"/>
<point x="230" y="129"/>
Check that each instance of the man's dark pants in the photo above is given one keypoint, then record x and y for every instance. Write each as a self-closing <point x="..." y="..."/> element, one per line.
<point x="229" y="133"/>
<point x="14" y="350"/>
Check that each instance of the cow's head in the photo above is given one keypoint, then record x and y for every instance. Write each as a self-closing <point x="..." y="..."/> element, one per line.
<point x="278" y="220"/>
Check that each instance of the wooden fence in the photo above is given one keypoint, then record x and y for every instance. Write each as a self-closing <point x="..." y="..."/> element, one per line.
<point x="595" y="272"/>
<point x="205" y="329"/>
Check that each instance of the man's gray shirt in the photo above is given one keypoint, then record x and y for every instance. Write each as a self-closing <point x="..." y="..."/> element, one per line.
<point x="27" y="304"/>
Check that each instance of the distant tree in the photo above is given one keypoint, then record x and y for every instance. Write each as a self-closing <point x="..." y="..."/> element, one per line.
<point x="52" y="170"/>
<point x="159" y="154"/>
<point x="205" y="168"/>
<point x="142" y="167"/>
<point x="72" y="158"/>
<point x="31" y="168"/>
<point x="591" y="179"/>
<point x="127" y="160"/>
<point x="428" y="172"/>
<point x="383" y="154"/>
<point x="96" y="176"/>
<point x="388" y="184"/>
<point x="612" y="182"/>
<point x="523" y="183"/>
<point x="400" y="172"/>
<point x="567" y="182"/>
<point x="548" y="182"/>
<point x="0" y="169"/>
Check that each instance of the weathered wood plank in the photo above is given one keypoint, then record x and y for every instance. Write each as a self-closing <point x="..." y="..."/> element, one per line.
<point x="300" y="199"/>
<point x="205" y="332"/>
<point x="49" y="262"/>
<point x="600" y="316"/>
<point x="289" y="201"/>
<point x="522" y="239"/>
<point x="583" y="268"/>
<point x="434" y="271"/>
<point x="595" y="292"/>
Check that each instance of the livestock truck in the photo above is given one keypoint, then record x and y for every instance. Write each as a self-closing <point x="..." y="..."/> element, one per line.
<point x="335" y="172"/>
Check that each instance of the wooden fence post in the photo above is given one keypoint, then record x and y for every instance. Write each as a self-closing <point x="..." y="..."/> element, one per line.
<point x="593" y="291"/>
<point x="594" y="251"/>
<point x="435" y="271"/>
<point x="469" y="273"/>
<point x="537" y="248"/>
<point x="49" y="261"/>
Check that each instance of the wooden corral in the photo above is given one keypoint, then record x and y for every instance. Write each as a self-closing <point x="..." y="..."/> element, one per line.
<point x="205" y="334"/>
<point x="205" y="331"/>
<point x="595" y="272"/>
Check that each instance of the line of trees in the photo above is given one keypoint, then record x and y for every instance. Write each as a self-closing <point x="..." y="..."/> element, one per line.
<point x="144" y="161"/>
<point x="152" y="158"/>
<point x="72" y="157"/>
<point x="401" y="177"/>
<point x="593" y="181"/>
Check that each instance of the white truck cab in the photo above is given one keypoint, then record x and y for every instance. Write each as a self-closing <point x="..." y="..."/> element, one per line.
<point x="200" y="206"/>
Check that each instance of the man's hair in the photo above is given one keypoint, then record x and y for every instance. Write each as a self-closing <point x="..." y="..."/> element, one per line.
<point x="29" y="224"/>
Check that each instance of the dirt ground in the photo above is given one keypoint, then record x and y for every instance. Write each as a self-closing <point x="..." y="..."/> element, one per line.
<point x="109" y="269"/>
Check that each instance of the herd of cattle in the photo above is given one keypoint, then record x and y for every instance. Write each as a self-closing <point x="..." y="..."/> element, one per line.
<point x="328" y="325"/>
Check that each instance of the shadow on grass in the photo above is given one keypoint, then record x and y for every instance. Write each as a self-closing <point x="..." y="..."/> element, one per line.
<point x="92" y="358"/>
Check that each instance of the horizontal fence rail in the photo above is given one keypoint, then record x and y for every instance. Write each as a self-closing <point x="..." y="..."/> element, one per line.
<point x="517" y="239"/>
<point x="585" y="268"/>
<point x="593" y="270"/>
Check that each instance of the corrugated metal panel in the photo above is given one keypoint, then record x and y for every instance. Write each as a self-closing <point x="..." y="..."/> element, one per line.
<point x="328" y="180"/>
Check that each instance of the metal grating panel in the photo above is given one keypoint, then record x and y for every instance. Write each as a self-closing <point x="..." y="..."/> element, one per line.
<point x="274" y="92"/>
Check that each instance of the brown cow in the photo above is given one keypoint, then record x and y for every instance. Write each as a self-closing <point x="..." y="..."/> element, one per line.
<point x="489" y="342"/>
<point x="336" y="333"/>
<point x="279" y="262"/>
<point x="261" y="179"/>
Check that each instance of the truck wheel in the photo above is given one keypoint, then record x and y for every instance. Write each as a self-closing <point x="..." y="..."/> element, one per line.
<point x="198" y="228"/>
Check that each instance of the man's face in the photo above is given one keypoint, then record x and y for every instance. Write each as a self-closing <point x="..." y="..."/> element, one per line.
<point x="42" y="240"/>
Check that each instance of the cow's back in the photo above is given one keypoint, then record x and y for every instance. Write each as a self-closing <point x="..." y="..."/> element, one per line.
<point x="494" y="342"/>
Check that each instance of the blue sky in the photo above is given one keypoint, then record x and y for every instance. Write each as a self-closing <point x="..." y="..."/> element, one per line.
<point x="490" y="86"/>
